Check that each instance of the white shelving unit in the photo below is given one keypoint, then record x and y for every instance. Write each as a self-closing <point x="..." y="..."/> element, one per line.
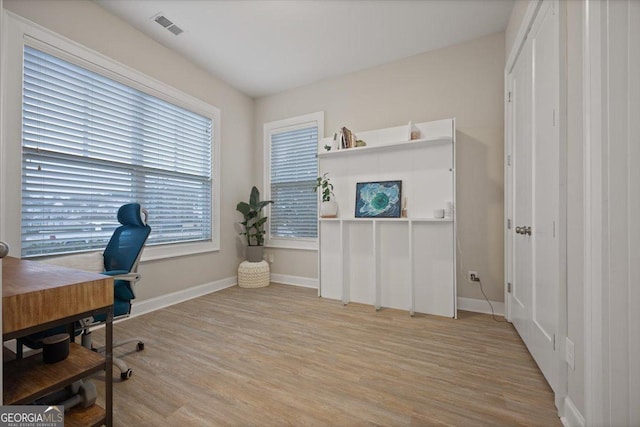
<point x="405" y="263"/>
<point x="386" y="146"/>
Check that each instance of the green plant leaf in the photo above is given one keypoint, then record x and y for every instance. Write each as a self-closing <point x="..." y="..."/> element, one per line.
<point x="259" y="223"/>
<point x="254" y="198"/>
<point x="253" y="220"/>
<point x="243" y="208"/>
<point x="264" y="203"/>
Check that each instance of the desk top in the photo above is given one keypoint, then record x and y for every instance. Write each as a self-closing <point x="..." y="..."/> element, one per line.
<point x="34" y="293"/>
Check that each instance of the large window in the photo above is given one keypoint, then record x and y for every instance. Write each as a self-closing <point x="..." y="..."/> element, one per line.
<point x="91" y="143"/>
<point x="291" y="172"/>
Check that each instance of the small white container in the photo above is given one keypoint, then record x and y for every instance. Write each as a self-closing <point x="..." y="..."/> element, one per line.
<point x="438" y="213"/>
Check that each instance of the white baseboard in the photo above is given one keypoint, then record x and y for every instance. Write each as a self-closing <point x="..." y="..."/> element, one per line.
<point x="468" y="304"/>
<point x="480" y="306"/>
<point x="162" y="301"/>
<point x="285" y="279"/>
<point x="571" y="417"/>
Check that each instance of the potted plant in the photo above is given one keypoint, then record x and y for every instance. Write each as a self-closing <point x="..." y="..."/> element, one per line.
<point x="254" y="224"/>
<point x="329" y="206"/>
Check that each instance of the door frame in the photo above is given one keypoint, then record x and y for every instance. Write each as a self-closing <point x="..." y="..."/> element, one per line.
<point x="592" y="175"/>
<point x="2" y="145"/>
<point x="522" y="34"/>
<point x="601" y="107"/>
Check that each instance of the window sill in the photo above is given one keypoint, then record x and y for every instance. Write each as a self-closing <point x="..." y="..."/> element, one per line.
<point x="305" y="245"/>
<point x="153" y="253"/>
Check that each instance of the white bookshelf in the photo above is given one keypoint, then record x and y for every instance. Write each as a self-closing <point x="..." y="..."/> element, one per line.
<point x="386" y="219"/>
<point x="382" y="147"/>
<point x="405" y="263"/>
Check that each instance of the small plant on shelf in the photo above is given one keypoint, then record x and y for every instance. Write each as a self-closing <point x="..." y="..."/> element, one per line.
<point x="328" y="207"/>
<point x="326" y="186"/>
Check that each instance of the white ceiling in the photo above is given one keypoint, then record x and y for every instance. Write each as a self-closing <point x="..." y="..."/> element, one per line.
<point x="263" y="47"/>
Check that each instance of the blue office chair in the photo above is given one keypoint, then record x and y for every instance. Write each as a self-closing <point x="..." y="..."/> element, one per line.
<point x="121" y="258"/>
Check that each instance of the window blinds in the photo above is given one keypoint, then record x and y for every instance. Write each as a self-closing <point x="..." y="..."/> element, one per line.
<point x="91" y="144"/>
<point x="294" y="169"/>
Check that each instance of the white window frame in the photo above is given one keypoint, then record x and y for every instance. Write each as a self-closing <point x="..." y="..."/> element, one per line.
<point x="18" y="32"/>
<point x="270" y="128"/>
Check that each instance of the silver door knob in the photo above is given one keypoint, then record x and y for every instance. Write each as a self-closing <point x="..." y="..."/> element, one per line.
<point x="519" y="230"/>
<point x="526" y="230"/>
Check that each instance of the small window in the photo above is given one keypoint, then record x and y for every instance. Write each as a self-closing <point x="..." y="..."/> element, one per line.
<point x="291" y="172"/>
<point x="91" y="144"/>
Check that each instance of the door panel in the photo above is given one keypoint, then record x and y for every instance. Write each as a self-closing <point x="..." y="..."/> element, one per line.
<point x="520" y="297"/>
<point x="546" y="181"/>
<point x="533" y="303"/>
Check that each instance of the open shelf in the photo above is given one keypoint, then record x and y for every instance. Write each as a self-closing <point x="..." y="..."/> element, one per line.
<point x="386" y="219"/>
<point x="440" y="140"/>
<point x="28" y="379"/>
<point x="402" y="263"/>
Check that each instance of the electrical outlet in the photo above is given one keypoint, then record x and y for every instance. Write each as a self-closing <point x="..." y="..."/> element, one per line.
<point x="472" y="276"/>
<point x="271" y="258"/>
<point x="570" y="353"/>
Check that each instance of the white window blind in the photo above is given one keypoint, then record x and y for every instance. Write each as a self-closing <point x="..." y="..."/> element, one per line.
<point x="91" y="144"/>
<point x="294" y="169"/>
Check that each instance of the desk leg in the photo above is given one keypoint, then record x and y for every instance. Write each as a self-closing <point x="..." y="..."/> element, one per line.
<point x="109" y="368"/>
<point x="19" y="348"/>
<point x="71" y="330"/>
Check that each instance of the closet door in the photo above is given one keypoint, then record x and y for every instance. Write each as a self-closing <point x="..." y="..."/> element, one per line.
<point x="533" y="301"/>
<point x="520" y="296"/>
<point x="546" y="191"/>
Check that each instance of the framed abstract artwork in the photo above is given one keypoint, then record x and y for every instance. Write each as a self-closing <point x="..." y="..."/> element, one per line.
<point x="379" y="199"/>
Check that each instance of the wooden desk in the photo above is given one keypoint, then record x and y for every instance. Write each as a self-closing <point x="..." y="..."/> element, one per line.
<point x="37" y="296"/>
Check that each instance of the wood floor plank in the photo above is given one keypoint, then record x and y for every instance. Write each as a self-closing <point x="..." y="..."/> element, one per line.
<point x="282" y="356"/>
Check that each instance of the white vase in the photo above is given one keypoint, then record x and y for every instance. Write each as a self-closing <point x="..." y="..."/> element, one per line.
<point x="329" y="209"/>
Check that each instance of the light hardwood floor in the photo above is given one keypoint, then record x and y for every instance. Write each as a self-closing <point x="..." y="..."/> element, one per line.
<point x="282" y="356"/>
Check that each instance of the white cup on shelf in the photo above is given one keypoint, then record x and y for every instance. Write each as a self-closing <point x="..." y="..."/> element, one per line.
<point x="438" y="213"/>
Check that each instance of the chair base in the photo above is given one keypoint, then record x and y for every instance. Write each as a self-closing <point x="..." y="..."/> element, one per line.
<point x="125" y="371"/>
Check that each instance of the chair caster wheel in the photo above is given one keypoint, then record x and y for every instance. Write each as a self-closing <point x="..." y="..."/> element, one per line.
<point x="126" y="374"/>
<point x="140" y="346"/>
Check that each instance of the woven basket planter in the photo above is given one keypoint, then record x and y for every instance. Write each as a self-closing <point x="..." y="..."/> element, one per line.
<point x="254" y="274"/>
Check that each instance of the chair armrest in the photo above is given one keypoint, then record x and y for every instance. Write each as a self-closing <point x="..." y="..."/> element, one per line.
<point x="114" y="272"/>
<point x="123" y="275"/>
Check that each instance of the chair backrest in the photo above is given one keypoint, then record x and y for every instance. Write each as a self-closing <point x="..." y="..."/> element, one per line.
<point x="125" y="247"/>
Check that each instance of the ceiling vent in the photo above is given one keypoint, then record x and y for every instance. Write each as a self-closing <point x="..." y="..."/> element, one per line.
<point x="168" y="24"/>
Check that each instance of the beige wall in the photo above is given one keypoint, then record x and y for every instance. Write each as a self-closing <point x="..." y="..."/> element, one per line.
<point x="88" y="24"/>
<point x="464" y="81"/>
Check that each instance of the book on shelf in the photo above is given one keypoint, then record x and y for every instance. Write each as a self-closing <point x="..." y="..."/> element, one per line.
<point x="343" y="139"/>
<point x="348" y="139"/>
<point x="337" y="140"/>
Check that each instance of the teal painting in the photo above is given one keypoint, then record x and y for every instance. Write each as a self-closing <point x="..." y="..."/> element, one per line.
<point x="378" y="199"/>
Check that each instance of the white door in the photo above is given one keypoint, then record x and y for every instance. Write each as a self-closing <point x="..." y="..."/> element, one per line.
<point x="535" y="95"/>
<point x="520" y="296"/>
<point x="546" y="191"/>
